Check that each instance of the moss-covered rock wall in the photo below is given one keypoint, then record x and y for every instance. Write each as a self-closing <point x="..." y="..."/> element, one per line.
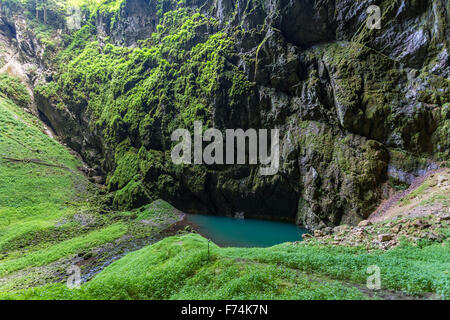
<point x="350" y="102"/>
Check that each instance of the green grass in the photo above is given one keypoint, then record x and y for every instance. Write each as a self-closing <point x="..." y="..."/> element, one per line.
<point x="34" y="197"/>
<point x="406" y="200"/>
<point x="178" y="268"/>
<point x="37" y="228"/>
<point x="50" y="213"/>
<point x="63" y="249"/>
<point x="406" y="268"/>
<point x="12" y="88"/>
<point x="158" y="209"/>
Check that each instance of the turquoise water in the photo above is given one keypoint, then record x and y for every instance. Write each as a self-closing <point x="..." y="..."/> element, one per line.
<point x="227" y="232"/>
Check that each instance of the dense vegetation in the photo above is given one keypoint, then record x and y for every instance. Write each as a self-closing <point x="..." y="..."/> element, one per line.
<point x="138" y="96"/>
<point x="344" y="107"/>
<point x="12" y="88"/>
<point x="180" y="268"/>
<point x="36" y="233"/>
<point x="132" y="72"/>
<point x="49" y="211"/>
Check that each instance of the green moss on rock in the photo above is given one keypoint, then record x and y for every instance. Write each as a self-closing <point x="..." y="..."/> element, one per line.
<point x="12" y="88"/>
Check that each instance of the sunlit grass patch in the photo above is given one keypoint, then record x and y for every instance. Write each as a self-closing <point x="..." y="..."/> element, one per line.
<point x="180" y="267"/>
<point x="63" y="249"/>
<point x="32" y="196"/>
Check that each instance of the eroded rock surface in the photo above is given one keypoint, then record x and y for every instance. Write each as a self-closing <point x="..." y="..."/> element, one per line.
<point x="354" y="106"/>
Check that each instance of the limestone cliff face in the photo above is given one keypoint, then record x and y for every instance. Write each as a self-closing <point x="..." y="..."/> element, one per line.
<point x="21" y="55"/>
<point x="354" y="106"/>
<point x="135" y="21"/>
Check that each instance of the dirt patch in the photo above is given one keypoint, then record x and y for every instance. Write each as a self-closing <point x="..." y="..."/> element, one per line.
<point x="426" y="195"/>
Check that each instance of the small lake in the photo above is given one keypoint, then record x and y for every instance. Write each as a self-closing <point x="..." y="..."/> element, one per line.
<point x="229" y="232"/>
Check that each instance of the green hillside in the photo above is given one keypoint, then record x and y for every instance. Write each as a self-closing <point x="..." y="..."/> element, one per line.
<point x="93" y="92"/>
<point x="49" y="212"/>
<point x="179" y="267"/>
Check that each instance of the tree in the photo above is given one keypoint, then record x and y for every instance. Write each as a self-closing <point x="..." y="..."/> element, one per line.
<point x="45" y="6"/>
<point x="41" y="5"/>
<point x="45" y="10"/>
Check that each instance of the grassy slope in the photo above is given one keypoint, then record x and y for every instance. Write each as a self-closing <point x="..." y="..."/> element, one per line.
<point x="178" y="268"/>
<point x="34" y="197"/>
<point x="47" y="221"/>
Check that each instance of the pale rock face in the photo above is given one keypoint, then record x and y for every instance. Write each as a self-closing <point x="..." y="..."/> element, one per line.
<point x="385" y="237"/>
<point x="364" y="223"/>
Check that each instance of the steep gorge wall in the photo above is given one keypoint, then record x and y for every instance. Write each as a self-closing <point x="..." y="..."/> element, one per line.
<point x="353" y="105"/>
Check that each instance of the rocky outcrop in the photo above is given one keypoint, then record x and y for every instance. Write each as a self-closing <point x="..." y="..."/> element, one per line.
<point x="63" y="121"/>
<point x="135" y="20"/>
<point x="23" y="53"/>
<point x="386" y="235"/>
<point x="353" y="105"/>
<point x="20" y="51"/>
